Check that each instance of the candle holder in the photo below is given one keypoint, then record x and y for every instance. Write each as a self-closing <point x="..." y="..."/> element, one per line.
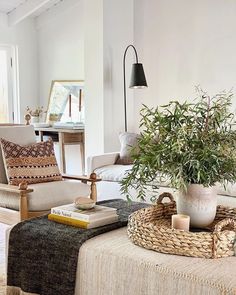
<point x="180" y="221"/>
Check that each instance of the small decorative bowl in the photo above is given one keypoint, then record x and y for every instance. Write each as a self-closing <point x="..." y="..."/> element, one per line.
<point x="84" y="203"/>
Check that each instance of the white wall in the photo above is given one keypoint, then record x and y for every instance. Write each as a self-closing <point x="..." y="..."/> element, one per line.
<point x="24" y="37"/>
<point x="182" y="44"/>
<point x="94" y="97"/>
<point x="118" y="34"/>
<point x="61" y="45"/>
<point x="108" y="30"/>
<point x="60" y="42"/>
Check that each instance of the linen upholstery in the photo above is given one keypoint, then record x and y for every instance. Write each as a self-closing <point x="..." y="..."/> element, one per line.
<point x="127" y="141"/>
<point x="19" y="134"/>
<point x="112" y="264"/>
<point x="47" y="195"/>
<point x="144" y="271"/>
<point x="102" y="257"/>
<point x="96" y="161"/>
<point x="112" y="172"/>
<point x="229" y="190"/>
<point x="33" y="163"/>
<point x="116" y="173"/>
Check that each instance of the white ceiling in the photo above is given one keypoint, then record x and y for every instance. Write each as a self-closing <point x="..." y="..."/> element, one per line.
<point x="46" y="7"/>
<point x="7" y="6"/>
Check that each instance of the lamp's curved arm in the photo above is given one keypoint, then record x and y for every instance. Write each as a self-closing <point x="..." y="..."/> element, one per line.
<point x="136" y="55"/>
<point x="135" y="51"/>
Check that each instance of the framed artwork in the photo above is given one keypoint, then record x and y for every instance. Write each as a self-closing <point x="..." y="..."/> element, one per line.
<point x="66" y="102"/>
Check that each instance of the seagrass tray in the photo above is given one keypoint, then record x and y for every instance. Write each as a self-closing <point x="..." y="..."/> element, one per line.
<point x="150" y="228"/>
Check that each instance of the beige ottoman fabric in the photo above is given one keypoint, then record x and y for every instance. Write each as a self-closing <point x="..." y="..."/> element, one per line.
<point x="111" y="264"/>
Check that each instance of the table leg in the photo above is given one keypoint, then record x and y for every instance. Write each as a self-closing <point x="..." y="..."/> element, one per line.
<point x="82" y="156"/>
<point x="62" y="152"/>
<point x="41" y="135"/>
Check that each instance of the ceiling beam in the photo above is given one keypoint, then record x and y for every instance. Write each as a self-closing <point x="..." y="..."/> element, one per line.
<point x="56" y="10"/>
<point x="24" y="10"/>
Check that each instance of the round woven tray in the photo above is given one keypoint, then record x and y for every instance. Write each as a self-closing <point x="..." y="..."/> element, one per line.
<point x="151" y="228"/>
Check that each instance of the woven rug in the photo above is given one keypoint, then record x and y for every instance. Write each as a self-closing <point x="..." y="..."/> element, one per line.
<point x="3" y="228"/>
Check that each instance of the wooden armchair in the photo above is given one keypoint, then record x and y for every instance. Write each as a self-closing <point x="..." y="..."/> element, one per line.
<point x="19" y="203"/>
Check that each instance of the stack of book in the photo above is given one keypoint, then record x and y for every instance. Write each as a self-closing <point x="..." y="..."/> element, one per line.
<point x="69" y="125"/>
<point x="91" y="218"/>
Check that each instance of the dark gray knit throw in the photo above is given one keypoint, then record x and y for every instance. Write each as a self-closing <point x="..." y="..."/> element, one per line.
<point x="43" y="254"/>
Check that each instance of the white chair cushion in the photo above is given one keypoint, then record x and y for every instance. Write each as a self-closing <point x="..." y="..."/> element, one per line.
<point x="47" y="195"/>
<point x="112" y="172"/>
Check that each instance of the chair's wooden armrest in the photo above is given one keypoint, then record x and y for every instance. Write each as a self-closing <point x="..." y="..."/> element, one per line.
<point x="92" y="177"/>
<point x="14" y="189"/>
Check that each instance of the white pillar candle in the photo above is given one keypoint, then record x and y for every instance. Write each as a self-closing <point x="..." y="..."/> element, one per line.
<point x="180" y="221"/>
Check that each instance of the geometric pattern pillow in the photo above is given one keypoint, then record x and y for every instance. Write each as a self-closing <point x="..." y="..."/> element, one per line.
<point x="33" y="163"/>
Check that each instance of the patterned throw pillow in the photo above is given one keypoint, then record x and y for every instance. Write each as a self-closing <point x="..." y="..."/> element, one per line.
<point x="33" y="163"/>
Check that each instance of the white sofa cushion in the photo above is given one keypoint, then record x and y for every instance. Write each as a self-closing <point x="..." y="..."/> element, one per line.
<point x="112" y="172"/>
<point x="47" y="195"/>
<point x="116" y="173"/>
<point x="97" y="161"/>
<point x="230" y="189"/>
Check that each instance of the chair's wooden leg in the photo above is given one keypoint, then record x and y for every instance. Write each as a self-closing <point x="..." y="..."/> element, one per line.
<point x="93" y="194"/>
<point x="23" y="206"/>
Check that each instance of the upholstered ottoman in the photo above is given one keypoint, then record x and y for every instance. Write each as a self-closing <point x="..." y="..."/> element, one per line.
<point x="111" y="264"/>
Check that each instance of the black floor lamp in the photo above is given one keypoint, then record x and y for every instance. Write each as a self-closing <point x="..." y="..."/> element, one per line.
<point x="137" y="80"/>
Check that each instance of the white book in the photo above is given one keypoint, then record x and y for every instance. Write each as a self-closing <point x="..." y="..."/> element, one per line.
<point x="104" y="221"/>
<point x="83" y="224"/>
<point x="96" y="213"/>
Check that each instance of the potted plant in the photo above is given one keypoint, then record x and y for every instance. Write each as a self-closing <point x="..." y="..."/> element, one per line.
<point x="192" y="145"/>
<point x="35" y="113"/>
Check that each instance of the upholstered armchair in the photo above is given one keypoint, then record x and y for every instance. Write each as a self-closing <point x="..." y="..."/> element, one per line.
<point x="25" y="201"/>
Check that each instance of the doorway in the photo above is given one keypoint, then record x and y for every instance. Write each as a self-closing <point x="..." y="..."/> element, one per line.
<point x="9" y="105"/>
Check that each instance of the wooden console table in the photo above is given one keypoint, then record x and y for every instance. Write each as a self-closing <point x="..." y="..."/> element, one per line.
<point x="64" y="137"/>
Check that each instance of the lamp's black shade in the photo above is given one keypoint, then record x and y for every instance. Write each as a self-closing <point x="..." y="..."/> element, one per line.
<point x="138" y="79"/>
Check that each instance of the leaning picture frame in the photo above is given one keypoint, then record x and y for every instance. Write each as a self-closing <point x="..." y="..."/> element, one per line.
<point x="66" y="102"/>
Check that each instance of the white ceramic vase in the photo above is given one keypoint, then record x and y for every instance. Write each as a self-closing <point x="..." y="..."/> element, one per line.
<point x="34" y="119"/>
<point x="199" y="203"/>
